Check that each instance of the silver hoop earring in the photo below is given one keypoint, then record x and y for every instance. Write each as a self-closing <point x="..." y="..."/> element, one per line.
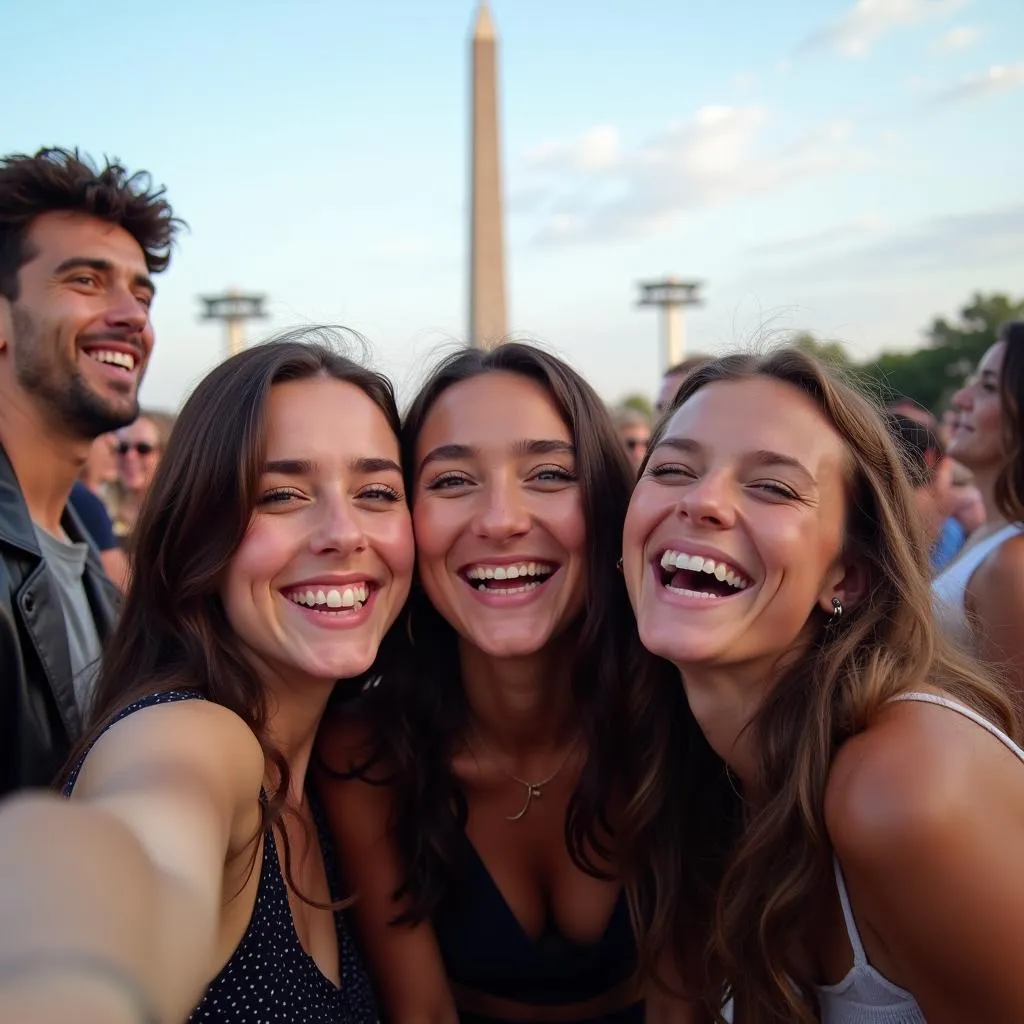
<point x="837" y="609"/>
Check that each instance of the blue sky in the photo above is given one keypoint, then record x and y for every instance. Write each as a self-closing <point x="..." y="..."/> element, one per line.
<point x="850" y="168"/>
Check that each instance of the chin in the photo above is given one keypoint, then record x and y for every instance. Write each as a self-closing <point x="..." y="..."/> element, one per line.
<point x="515" y="646"/>
<point x="679" y="648"/>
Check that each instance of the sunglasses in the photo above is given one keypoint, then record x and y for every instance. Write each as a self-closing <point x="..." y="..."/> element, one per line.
<point x="632" y="443"/>
<point x="141" y="448"/>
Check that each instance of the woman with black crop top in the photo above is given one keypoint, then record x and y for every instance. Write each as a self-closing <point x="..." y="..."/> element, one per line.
<point x="190" y="874"/>
<point x="503" y="799"/>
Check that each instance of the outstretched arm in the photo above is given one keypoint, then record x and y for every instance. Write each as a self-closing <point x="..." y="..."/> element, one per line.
<point x="113" y="898"/>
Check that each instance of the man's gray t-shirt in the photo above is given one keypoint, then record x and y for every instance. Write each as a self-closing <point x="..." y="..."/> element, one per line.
<point x="66" y="562"/>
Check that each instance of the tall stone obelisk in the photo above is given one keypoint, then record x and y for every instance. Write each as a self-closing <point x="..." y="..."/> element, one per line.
<point x="487" y="304"/>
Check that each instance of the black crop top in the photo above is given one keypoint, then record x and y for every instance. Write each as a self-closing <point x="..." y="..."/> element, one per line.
<point x="485" y="948"/>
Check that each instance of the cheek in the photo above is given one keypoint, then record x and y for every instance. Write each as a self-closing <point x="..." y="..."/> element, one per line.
<point x="398" y="548"/>
<point x="264" y="552"/>
<point x="435" y="529"/>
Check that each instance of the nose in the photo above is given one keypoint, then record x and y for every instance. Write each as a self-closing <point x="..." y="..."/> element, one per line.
<point x="126" y="312"/>
<point x="708" y="502"/>
<point x="338" y="529"/>
<point x="503" y="513"/>
<point x="964" y="398"/>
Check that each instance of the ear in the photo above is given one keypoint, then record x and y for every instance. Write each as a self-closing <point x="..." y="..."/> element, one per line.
<point x="847" y="580"/>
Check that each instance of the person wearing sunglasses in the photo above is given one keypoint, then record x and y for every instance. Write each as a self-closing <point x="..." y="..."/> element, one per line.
<point x="138" y="450"/>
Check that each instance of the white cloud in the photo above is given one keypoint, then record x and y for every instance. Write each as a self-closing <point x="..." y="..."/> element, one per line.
<point x="981" y="238"/>
<point x="595" y="150"/>
<point x="828" y="238"/>
<point x="998" y="78"/>
<point x="956" y="39"/>
<point x="600" y="189"/>
<point x="867" y="21"/>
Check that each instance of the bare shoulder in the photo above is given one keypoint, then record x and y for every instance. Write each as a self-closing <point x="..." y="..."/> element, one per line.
<point x="177" y="738"/>
<point x="1004" y="567"/>
<point x="910" y="781"/>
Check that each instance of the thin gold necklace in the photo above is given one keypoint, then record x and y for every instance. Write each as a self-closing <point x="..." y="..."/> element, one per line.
<point x="533" y="789"/>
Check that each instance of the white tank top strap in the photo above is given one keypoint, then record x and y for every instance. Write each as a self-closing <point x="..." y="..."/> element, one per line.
<point x="860" y="958"/>
<point x="962" y="709"/>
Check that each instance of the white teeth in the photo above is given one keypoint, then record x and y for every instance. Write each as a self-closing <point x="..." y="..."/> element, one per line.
<point x="333" y="598"/>
<point x="702" y="594"/>
<point x="509" y="590"/>
<point x="697" y="563"/>
<point x="509" y="572"/>
<point x="121" y="359"/>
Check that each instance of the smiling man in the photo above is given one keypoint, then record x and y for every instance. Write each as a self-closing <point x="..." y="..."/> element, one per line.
<point x="78" y="246"/>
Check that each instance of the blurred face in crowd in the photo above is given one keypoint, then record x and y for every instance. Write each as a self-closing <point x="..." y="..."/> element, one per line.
<point x="498" y="514"/>
<point x="669" y="386"/>
<point x="77" y="338"/>
<point x="138" y="452"/>
<point x="936" y="499"/>
<point x="101" y="466"/>
<point x="978" y="441"/>
<point x="636" y="437"/>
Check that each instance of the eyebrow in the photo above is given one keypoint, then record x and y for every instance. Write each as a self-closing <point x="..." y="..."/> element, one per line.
<point x="762" y="457"/>
<point x="102" y="267"/>
<point x="304" y="467"/>
<point x="457" y="452"/>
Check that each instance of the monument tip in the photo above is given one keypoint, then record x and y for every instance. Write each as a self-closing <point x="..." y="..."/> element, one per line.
<point x="484" y="28"/>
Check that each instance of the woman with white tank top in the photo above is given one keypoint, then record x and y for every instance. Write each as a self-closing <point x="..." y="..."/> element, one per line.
<point x="869" y="870"/>
<point x="979" y="598"/>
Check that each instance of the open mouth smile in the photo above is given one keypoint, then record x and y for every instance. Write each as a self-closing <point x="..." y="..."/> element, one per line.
<point x="697" y="576"/>
<point x="120" y="360"/>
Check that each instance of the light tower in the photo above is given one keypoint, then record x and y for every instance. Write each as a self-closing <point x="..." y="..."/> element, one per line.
<point x="233" y="309"/>
<point x="671" y="296"/>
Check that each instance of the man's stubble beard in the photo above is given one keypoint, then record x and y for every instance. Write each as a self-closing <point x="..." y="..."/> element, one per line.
<point x="59" y="387"/>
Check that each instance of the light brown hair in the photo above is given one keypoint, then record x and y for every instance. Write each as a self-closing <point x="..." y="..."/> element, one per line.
<point x="780" y="861"/>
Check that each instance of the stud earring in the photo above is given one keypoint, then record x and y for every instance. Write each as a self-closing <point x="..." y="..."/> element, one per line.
<point x="618" y="565"/>
<point x="837" y="609"/>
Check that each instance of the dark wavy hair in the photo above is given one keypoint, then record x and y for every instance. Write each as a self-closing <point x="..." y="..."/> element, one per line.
<point x="780" y="862"/>
<point x="173" y="632"/>
<point x="633" y="717"/>
<point x="1009" y="485"/>
<point x="54" y="180"/>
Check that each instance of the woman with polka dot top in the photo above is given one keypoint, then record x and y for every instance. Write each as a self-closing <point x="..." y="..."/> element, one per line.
<point x="188" y="874"/>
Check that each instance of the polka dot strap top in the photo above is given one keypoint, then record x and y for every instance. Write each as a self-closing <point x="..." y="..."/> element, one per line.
<point x="270" y="978"/>
<point x="865" y="996"/>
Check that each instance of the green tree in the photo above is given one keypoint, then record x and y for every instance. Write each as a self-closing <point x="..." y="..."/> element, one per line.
<point x="827" y="351"/>
<point x="640" y="402"/>
<point x="931" y="374"/>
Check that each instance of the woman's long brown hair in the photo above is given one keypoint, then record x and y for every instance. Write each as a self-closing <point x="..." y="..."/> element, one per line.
<point x="780" y="862"/>
<point x="173" y="632"/>
<point x="639" y="735"/>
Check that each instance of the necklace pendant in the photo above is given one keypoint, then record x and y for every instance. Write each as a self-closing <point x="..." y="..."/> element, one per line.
<point x="535" y="791"/>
